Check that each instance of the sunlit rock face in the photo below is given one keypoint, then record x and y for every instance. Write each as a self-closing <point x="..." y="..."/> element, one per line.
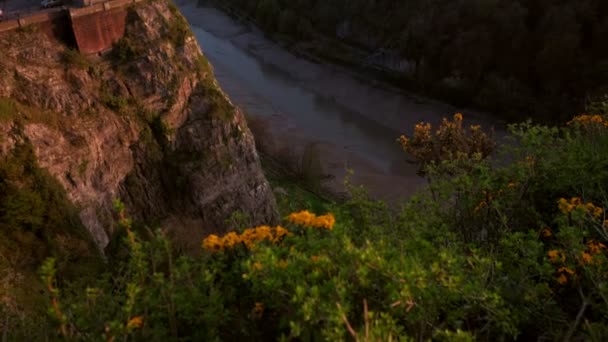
<point x="145" y="123"/>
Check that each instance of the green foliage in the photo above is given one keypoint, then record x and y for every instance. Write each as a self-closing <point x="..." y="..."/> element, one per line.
<point x="491" y="251"/>
<point x="125" y="50"/>
<point x="30" y="200"/>
<point x="8" y="109"/>
<point x="36" y="221"/>
<point x="513" y="57"/>
<point x="178" y="28"/>
<point x="73" y="57"/>
<point x="311" y="169"/>
<point x="220" y="108"/>
<point x="267" y="13"/>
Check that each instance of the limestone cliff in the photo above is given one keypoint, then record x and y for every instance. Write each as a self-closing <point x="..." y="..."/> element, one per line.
<point x="145" y="123"/>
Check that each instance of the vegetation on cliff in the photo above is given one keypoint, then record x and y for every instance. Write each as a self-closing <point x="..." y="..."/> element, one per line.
<point x="489" y="251"/>
<point x="542" y="58"/>
<point x="146" y="123"/>
<point x="506" y="242"/>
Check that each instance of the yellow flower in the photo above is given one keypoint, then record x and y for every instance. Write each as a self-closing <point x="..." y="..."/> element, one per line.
<point x="257" y="266"/>
<point x="314" y="258"/>
<point x="511" y="185"/>
<point x="595" y="247"/>
<point x="404" y="141"/>
<point x="282" y="263"/>
<point x="597" y="212"/>
<point x="258" y="309"/>
<point x="306" y="218"/>
<point x="135" y="322"/>
<point x="555" y="256"/>
<point x="422" y="131"/>
<point x="587" y="119"/>
<point x="326" y="221"/>
<point x="586" y="258"/>
<point x="458" y="117"/>
<point x="230" y="240"/>
<point x="563" y="205"/>
<point x="562" y="279"/>
<point x="279" y="233"/>
<point x="481" y="205"/>
<point x="547" y="232"/>
<point x="212" y="243"/>
<point x="565" y="270"/>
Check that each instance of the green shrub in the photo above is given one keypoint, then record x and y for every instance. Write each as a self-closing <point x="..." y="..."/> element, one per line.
<point x="178" y="28"/>
<point x="8" y="110"/>
<point x="490" y="251"/>
<point x="73" y="57"/>
<point x="125" y="50"/>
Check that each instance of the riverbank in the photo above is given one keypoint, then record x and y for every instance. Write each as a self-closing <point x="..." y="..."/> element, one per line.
<point x="353" y="123"/>
<point x="357" y="62"/>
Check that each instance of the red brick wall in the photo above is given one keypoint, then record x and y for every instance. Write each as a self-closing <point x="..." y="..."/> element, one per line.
<point x="97" y="32"/>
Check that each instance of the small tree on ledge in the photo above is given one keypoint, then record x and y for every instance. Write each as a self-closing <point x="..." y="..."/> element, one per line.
<point x="450" y="142"/>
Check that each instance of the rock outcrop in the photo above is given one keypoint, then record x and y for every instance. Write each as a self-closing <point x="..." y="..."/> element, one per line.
<point x="145" y="123"/>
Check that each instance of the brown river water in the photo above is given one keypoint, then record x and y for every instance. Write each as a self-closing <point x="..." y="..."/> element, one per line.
<point x="353" y="123"/>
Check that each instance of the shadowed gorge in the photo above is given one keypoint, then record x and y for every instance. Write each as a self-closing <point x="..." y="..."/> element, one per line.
<point x="274" y="170"/>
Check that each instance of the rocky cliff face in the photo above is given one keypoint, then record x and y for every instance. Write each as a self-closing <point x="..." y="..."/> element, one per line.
<point x="145" y="123"/>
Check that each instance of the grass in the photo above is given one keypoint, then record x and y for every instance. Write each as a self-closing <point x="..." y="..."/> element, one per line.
<point x="11" y="110"/>
<point x="74" y="58"/>
<point x="8" y="109"/>
<point x="178" y="28"/>
<point x="290" y="194"/>
<point x="220" y="107"/>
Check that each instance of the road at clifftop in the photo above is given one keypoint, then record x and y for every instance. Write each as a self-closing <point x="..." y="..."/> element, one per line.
<point x="10" y="6"/>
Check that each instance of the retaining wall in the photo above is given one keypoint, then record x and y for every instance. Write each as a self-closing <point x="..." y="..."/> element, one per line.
<point x="97" y="31"/>
<point x="92" y="29"/>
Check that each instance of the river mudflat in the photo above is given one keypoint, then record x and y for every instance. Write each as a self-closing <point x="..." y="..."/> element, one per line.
<point x="354" y="124"/>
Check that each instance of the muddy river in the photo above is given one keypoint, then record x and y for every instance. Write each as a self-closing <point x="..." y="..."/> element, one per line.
<point x="353" y="123"/>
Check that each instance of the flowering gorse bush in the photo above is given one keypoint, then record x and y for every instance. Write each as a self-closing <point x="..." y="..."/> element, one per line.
<point x="248" y="238"/>
<point x="514" y="251"/>
<point x="587" y="120"/>
<point x="451" y="141"/>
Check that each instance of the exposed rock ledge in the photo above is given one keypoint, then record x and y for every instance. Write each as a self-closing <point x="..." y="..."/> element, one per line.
<point x="146" y="124"/>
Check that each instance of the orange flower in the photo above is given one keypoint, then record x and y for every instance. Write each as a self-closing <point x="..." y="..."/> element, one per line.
<point x="230" y="240"/>
<point x="565" y="270"/>
<point x="257" y="266"/>
<point x="212" y="243"/>
<point x="586" y="258"/>
<point x="135" y="322"/>
<point x="306" y="218"/>
<point x="586" y="119"/>
<point x="597" y="212"/>
<point x="279" y="233"/>
<point x="258" y="309"/>
<point x="481" y="205"/>
<point x="555" y="256"/>
<point x="562" y="279"/>
<point x="564" y="206"/>
<point x="458" y="117"/>
<point x="546" y="232"/>
<point x="595" y="247"/>
<point x="404" y="141"/>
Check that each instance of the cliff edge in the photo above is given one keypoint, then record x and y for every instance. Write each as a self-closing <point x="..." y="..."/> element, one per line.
<point x="145" y="123"/>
